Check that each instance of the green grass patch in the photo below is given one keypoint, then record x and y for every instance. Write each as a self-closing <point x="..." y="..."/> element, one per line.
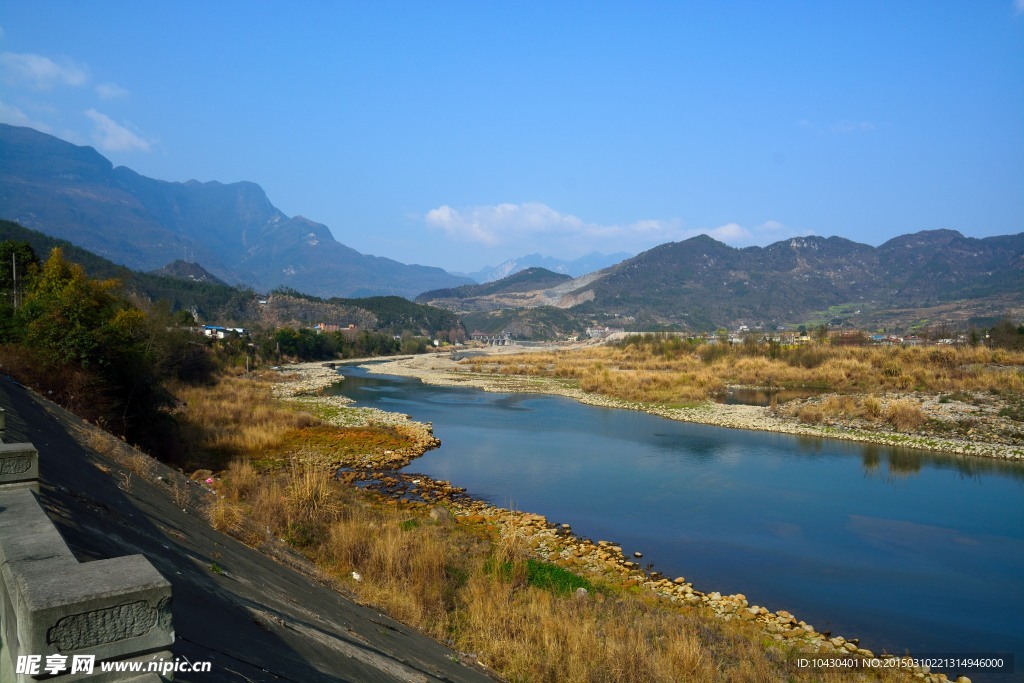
<point x="341" y="441"/>
<point x="684" y="405"/>
<point x="539" y="574"/>
<point x="551" y="577"/>
<point x="324" y="411"/>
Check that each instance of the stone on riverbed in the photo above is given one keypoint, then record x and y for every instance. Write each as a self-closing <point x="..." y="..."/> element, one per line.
<point x="441" y="515"/>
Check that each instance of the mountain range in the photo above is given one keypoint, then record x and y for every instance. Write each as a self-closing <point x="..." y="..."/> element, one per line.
<point x="575" y="267"/>
<point x="239" y="237"/>
<point x="189" y="287"/>
<point x="701" y="284"/>
<point x="233" y="230"/>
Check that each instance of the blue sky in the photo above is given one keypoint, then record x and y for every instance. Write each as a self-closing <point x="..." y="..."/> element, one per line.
<point x="460" y="134"/>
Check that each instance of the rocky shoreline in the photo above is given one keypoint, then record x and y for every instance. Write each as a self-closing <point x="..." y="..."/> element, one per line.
<point x="304" y="384"/>
<point x="602" y="560"/>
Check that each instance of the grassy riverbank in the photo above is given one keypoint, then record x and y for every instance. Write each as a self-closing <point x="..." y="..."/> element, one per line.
<point x="659" y="369"/>
<point x="967" y="401"/>
<point x="501" y="586"/>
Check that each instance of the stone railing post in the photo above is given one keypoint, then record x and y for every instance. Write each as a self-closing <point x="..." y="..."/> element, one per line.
<point x="52" y="605"/>
<point x="19" y="466"/>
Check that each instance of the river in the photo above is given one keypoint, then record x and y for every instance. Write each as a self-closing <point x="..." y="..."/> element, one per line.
<point x="906" y="550"/>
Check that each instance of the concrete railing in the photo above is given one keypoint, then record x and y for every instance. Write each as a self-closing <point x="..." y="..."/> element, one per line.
<point x="52" y="606"/>
<point x="19" y="466"/>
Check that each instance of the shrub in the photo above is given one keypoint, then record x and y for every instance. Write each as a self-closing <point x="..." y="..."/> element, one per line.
<point x="905" y="415"/>
<point x="811" y="414"/>
<point x="838" y="406"/>
<point x="871" y="408"/>
<point x="891" y="369"/>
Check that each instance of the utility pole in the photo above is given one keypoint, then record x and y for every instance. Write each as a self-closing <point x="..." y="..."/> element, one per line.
<point x="14" y="279"/>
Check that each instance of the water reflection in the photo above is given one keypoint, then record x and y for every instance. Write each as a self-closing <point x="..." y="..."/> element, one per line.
<point x="872" y="458"/>
<point x="906" y="462"/>
<point x="763" y="397"/>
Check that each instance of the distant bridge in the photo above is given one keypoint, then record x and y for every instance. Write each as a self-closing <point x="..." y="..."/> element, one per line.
<point x="499" y="339"/>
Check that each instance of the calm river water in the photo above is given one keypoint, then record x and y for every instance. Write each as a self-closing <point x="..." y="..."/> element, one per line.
<point x="904" y="549"/>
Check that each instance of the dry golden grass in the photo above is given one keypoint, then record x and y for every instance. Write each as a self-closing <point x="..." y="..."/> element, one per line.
<point x="840" y="406"/>
<point x="811" y="414"/>
<point x="531" y="634"/>
<point x="443" y="580"/>
<point x="635" y="372"/>
<point x="905" y="415"/>
<point x="871" y="407"/>
<point x="235" y="417"/>
<point x="296" y="502"/>
<point x="407" y="568"/>
<point x="116" y="449"/>
<point x="180" y="494"/>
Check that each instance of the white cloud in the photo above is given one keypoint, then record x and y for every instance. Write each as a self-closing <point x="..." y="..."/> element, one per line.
<point x="736" y="235"/>
<point x="41" y="73"/>
<point x="730" y="233"/>
<point x="511" y="229"/>
<point x="111" y="91"/>
<point x="1018" y="6"/>
<point x="536" y="226"/>
<point x="110" y="136"/>
<point x="16" y="117"/>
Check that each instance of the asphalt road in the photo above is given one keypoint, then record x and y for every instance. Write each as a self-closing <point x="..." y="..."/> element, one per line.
<point x="255" y="620"/>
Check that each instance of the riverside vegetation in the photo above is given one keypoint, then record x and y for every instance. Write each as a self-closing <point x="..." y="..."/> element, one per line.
<point x="965" y="399"/>
<point x="519" y="595"/>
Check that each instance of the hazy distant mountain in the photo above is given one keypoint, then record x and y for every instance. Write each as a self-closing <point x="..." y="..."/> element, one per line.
<point x="575" y="268"/>
<point x="233" y="230"/>
<point x="519" y="290"/>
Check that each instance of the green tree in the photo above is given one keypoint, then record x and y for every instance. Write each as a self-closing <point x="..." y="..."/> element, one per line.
<point x="1005" y="334"/>
<point x="71" y="321"/>
<point x="411" y="344"/>
<point x="68" y="316"/>
<point x="19" y="266"/>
